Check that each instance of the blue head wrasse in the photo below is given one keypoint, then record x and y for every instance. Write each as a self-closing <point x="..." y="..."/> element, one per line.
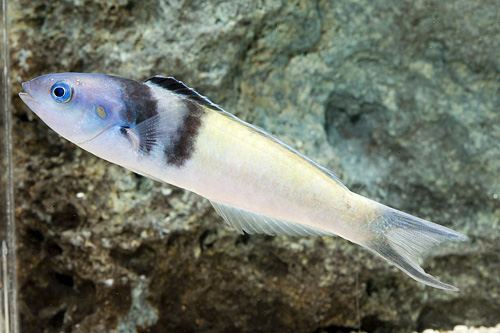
<point x="162" y="129"/>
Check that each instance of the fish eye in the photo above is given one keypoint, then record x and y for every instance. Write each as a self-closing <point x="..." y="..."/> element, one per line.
<point x="61" y="92"/>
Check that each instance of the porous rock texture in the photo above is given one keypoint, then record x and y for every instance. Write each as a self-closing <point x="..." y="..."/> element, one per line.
<point x="399" y="98"/>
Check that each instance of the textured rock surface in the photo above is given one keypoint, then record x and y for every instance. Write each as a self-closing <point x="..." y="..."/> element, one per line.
<point x="399" y="98"/>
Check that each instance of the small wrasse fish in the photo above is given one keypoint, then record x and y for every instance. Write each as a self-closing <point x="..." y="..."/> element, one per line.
<point x="164" y="130"/>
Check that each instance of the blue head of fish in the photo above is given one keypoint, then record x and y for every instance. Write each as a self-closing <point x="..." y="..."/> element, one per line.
<point x="80" y="107"/>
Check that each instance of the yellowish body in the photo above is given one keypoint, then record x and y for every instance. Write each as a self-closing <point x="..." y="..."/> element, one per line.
<point x="243" y="167"/>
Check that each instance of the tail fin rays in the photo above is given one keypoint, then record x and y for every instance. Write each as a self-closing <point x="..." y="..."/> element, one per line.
<point x="401" y="239"/>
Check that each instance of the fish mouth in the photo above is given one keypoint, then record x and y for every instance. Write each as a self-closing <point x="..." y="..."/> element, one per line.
<point x="27" y="95"/>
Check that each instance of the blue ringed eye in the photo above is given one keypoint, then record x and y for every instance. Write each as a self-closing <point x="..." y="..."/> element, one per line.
<point x="61" y="92"/>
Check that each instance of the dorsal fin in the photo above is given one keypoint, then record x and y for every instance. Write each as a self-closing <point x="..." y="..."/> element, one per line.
<point x="180" y="88"/>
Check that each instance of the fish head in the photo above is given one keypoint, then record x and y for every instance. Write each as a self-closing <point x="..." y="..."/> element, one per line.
<point x="80" y="107"/>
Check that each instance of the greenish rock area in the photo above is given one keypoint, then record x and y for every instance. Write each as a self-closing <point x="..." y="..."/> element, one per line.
<point x="401" y="99"/>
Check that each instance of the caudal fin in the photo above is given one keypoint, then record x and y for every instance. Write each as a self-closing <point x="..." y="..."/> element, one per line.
<point x="401" y="239"/>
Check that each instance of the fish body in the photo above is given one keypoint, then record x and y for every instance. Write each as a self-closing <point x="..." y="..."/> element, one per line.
<point x="164" y="130"/>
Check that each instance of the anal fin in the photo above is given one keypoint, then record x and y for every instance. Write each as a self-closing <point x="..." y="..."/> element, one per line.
<point x="255" y="223"/>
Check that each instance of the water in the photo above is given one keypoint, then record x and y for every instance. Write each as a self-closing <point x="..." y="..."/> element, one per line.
<point x="398" y="99"/>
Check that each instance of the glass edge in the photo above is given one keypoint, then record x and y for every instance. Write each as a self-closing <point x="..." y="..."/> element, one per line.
<point x="9" y="263"/>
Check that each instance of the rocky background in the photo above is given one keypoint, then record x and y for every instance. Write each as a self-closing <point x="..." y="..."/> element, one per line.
<point x="400" y="99"/>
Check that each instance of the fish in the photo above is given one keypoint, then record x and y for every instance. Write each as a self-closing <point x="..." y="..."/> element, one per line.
<point x="162" y="129"/>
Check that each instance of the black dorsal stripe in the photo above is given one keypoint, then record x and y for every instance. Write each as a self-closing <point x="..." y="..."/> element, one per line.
<point x="180" y="88"/>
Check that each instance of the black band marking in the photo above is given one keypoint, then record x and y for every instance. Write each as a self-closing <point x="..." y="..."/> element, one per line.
<point x="140" y="105"/>
<point x="183" y="145"/>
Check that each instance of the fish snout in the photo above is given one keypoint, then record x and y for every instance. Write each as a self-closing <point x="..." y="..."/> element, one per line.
<point x="27" y="95"/>
<point x="26" y="87"/>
